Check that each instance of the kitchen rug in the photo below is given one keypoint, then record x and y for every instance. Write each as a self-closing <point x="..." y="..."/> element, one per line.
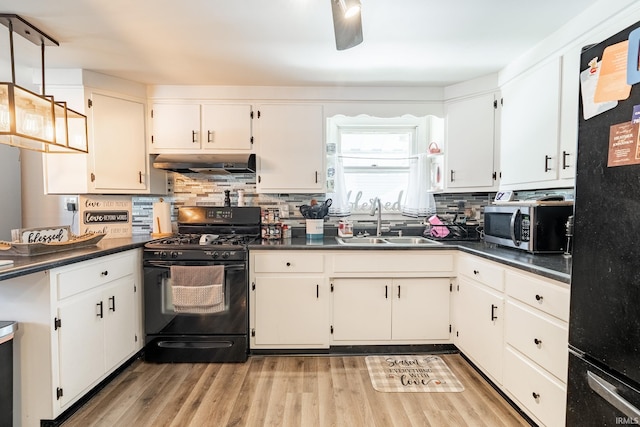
<point x="412" y="373"/>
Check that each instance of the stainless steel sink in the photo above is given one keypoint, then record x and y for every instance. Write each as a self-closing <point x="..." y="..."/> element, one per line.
<point x="387" y="240"/>
<point x="410" y="241"/>
<point x="362" y="241"/>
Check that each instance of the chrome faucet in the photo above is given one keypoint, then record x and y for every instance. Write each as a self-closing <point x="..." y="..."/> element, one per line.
<point x="377" y="205"/>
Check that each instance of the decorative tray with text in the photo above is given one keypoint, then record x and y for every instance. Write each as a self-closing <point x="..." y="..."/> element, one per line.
<point x="74" y="242"/>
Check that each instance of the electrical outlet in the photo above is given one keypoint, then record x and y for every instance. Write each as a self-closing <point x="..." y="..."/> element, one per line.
<point x="71" y="204"/>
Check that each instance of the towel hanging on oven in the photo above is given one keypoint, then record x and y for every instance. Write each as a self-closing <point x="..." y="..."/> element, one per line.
<point x="197" y="289"/>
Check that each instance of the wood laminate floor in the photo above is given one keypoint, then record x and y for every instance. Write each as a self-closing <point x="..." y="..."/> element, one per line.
<point x="286" y="391"/>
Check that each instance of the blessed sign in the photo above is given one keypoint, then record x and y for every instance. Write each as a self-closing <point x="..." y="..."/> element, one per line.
<point x="42" y="235"/>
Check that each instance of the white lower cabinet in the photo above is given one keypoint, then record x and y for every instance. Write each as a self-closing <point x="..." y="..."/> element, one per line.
<point x="513" y="325"/>
<point x="399" y="310"/>
<point x="298" y="297"/>
<point x="103" y="320"/>
<point x="289" y="300"/>
<point x="290" y="312"/>
<point x="479" y="326"/>
<point x="77" y="324"/>
<point x="536" y="345"/>
<point x="536" y="392"/>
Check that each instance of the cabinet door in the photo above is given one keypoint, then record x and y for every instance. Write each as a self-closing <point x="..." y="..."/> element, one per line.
<point x="362" y="309"/>
<point x="470" y="142"/>
<point x="420" y="309"/>
<point x="530" y="126"/>
<point x="120" y="320"/>
<point x="175" y="127"/>
<point x="291" y="311"/>
<point x="569" y="115"/>
<point x="226" y="127"/>
<point x="80" y="343"/>
<point x="480" y="326"/>
<point x="118" y="128"/>
<point x="291" y="145"/>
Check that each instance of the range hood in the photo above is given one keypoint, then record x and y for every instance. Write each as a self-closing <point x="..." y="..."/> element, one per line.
<point x="206" y="163"/>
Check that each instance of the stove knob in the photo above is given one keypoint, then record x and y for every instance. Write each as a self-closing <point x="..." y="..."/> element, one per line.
<point x="225" y="255"/>
<point x="174" y="254"/>
<point x="163" y="254"/>
<point x="216" y="255"/>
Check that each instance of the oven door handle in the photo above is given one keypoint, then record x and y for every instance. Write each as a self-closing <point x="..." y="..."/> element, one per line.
<point x="167" y="265"/>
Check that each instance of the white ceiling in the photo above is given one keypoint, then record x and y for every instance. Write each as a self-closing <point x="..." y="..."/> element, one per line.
<point x="288" y="42"/>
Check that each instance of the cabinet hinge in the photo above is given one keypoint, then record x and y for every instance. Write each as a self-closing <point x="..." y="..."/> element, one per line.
<point x="494" y="175"/>
<point x="57" y="323"/>
<point x="152" y="114"/>
<point x="495" y="104"/>
<point x="331" y="329"/>
<point x="450" y="287"/>
<point x="93" y="177"/>
<point x="58" y="393"/>
<point x="258" y="113"/>
<point x="253" y="332"/>
<point x="152" y="139"/>
<point x="135" y="338"/>
<point x="259" y="179"/>
<point x="251" y="140"/>
<point x="89" y="103"/>
<point x="135" y="289"/>
<point x="501" y="101"/>
<point x="251" y="114"/>
<point x="449" y="328"/>
<point x="332" y="287"/>
<point x="457" y="334"/>
<point x="253" y="286"/>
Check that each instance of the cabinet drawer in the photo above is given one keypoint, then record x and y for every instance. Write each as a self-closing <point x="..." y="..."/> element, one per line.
<point x="393" y="262"/>
<point x="287" y="262"/>
<point x="548" y="296"/>
<point x="485" y="272"/>
<point x="90" y="274"/>
<point x="542" y="338"/>
<point x="540" y="393"/>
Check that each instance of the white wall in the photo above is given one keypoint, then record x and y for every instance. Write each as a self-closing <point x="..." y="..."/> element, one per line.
<point x="10" y="191"/>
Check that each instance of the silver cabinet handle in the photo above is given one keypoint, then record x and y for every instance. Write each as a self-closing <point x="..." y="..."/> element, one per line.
<point x="609" y="393"/>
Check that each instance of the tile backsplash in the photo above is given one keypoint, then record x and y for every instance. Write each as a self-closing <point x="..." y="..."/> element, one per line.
<point x="208" y="190"/>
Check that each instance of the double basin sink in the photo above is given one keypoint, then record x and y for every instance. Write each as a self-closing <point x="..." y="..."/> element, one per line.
<point x="387" y="241"/>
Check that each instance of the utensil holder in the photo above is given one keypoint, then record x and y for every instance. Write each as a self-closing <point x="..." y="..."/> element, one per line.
<point x="315" y="229"/>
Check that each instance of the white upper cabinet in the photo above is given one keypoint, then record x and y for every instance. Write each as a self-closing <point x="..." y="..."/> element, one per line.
<point x="470" y="143"/>
<point x="291" y="148"/>
<point x="116" y="126"/>
<point x="113" y="118"/>
<point x="201" y="127"/>
<point x="530" y="126"/>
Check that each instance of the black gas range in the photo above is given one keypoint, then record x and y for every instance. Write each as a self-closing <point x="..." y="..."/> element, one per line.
<point x="207" y="237"/>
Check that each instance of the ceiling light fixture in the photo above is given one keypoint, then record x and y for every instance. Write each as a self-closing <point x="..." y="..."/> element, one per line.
<point x="32" y="121"/>
<point x="347" y="23"/>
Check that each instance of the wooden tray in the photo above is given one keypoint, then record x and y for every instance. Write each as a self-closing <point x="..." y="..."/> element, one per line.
<point x="29" y="249"/>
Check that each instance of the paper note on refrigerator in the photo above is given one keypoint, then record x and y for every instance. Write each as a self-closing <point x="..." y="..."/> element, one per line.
<point x="588" y="83"/>
<point x="612" y="84"/>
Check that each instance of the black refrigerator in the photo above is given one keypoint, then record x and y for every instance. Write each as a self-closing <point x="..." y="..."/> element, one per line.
<point x="603" y="386"/>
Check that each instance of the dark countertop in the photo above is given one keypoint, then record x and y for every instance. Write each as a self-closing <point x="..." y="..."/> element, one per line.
<point x="23" y="265"/>
<point x="556" y="267"/>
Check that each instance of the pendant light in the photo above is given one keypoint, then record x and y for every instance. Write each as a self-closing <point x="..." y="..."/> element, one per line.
<point x="32" y="121"/>
<point x="347" y="23"/>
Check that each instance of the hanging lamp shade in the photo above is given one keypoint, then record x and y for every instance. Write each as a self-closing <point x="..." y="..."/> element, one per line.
<point x="32" y="121"/>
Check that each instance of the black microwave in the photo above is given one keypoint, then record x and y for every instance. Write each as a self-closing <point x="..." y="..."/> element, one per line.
<point x="535" y="227"/>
